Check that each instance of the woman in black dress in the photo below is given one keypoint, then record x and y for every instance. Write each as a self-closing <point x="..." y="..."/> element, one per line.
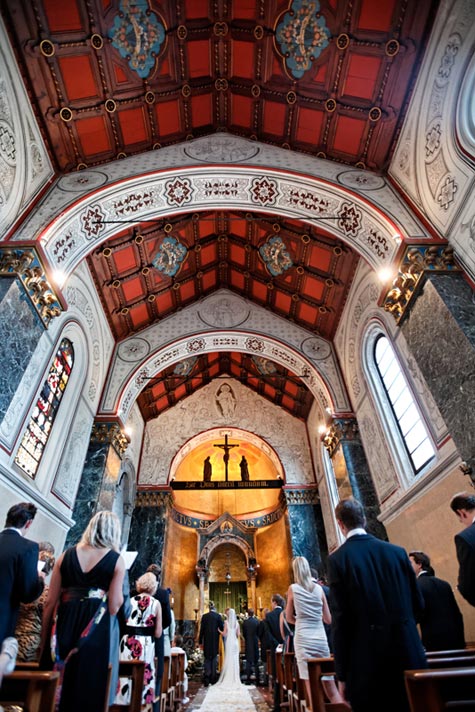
<point x="81" y="577"/>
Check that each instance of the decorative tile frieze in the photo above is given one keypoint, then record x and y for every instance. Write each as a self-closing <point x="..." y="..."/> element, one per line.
<point x="111" y="433"/>
<point x="417" y="262"/>
<point x="26" y="265"/>
<point x="301" y="496"/>
<point x="153" y="498"/>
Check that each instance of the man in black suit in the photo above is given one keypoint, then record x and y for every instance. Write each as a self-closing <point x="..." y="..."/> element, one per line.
<point x="374" y="603"/>
<point x="441" y="622"/>
<point x="463" y="504"/>
<point x="163" y="597"/>
<point x="211" y="624"/>
<point x="20" y="581"/>
<point x="251" y="645"/>
<point x="275" y="639"/>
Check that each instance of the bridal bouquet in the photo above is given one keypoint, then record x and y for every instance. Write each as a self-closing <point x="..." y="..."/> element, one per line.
<point x="195" y="661"/>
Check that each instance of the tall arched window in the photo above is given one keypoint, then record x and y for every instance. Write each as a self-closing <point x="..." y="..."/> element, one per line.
<point x="410" y="424"/>
<point x="38" y="429"/>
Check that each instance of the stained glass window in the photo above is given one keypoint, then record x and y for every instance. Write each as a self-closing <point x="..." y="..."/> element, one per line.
<point x="42" y="418"/>
<point x="410" y="424"/>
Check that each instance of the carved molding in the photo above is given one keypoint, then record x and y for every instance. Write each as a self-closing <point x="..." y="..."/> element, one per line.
<point x="301" y="496"/>
<point x="147" y="498"/>
<point x="340" y="429"/>
<point x="417" y="262"/>
<point x="110" y="433"/>
<point x="26" y="265"/>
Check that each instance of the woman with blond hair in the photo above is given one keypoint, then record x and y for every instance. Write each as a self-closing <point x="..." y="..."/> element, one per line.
<point x="86" y="592"/>
<point x="307" y="607"/>
<point x="144" y="624"/>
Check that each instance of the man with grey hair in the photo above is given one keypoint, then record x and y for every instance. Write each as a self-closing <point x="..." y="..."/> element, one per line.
<point x="463" y="504"/>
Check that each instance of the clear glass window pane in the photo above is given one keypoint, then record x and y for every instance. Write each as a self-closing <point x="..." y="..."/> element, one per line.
<point x="422" y="455"/>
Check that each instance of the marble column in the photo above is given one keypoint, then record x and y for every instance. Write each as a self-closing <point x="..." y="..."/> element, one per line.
<point x="439" y="329"/>
<point x="148" y="530"/>
<point x="303" y="528"/>
<point x="99" y="476"/>
<point x="344" y="436"/>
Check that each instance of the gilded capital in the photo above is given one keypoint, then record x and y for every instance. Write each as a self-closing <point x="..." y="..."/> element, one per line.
<point x="340" y="429"/>
<point x="27" y="266"/>
<point x="308" y="495"/>
<point x="416" y="263"/>
<point x="110" y="433"/>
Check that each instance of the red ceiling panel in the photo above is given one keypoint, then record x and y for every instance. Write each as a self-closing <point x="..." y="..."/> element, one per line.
<point x="93" y="136"/>
<point x="274" y="117"/>
<point x="348" y="134"/>
<point x="62" y="15"/>
<point x="244" y="9"/>
<point x="195" y="9"/>
<point x="208" y="281"/>
<point x="243" y="59"/>
<point x="376" y="15"/>
<point x="320" y="258"/>
<point x="78" y="77"/>
<point x="133" y="126"/>
<point x="202" y="109"/>
<point x="242" y="108"/>
<point x="198" y="59"/>
<point x="139" y="316"/>
<point x="164" y="302"/>
<point x="168" y="117"/>
<point x="125" y="259"/>
<point x="361" y="76"/>
<point x="314" y="287"/>
<point x="132" y="289"/>
<point x="238" y="281"/>
<point x="309" y="125"/>
<point x="283" y="302"/>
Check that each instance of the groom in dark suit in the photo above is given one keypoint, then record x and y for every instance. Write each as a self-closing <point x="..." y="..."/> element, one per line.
<point x="275" y="639"/>
<point x="463" y="504"/>
<point x="20" y="581"/>
<point x="375" y="602"/>
<point x="211" y="624"/>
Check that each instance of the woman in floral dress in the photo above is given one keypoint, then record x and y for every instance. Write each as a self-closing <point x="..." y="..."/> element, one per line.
<point x="143" y="626"/>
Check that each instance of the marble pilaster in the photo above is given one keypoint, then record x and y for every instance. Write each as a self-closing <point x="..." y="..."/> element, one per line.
<point x="303" y="527"/>
<point x="440" y="332"/>
<point x="148" y="530"/>
<point x="97" y="487"/>
<point x="344" y="434"/>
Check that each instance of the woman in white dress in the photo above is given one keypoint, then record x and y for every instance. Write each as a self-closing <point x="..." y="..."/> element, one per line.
<point x="307" y="607"/>
<point x="230" y="676"/>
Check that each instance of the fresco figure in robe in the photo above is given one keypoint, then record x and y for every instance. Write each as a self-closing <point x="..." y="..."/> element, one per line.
<point x="207" y="470"/>
<point x="244" y="469"/>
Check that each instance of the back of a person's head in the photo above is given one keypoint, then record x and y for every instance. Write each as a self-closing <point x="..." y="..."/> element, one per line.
<point x="278" y="600"/>
<point x="147" y="583"/>
<point x="48" y="558"/>
<point x="302" y="573"/>
<point x="211" y="605"/>
<point x="103" y="531"/>
<point x="155" y="570"/>
<point x="350" y="513"/>
<point x="20" y="514"/>
<point x="422" y="559"/>
<point x="463" y="500"/>
<point x="250" y="612"/>
<point x="46" y="546"/>
<point x="178" y="640"/>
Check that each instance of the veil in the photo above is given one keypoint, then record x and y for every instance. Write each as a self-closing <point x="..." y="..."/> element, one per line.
<point x="230" y="676"/>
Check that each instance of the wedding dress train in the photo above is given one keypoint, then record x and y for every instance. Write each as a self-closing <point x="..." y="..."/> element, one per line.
<point x="229" y="694"/>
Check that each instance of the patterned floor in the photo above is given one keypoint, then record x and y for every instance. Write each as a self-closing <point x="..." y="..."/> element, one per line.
<point x="260" y="696"/>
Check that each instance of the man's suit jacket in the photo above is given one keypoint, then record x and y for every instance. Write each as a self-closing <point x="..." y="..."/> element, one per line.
<point x="211" y="623"/>
<point x="374" y="603"/>
<point x="465" y="546"/>
<point x="273" y="622"/>
<point x="441" y="621"/>
<point x="163" y="597"/>
<point x="249" y="633"/>
<point x="19" y="580"/>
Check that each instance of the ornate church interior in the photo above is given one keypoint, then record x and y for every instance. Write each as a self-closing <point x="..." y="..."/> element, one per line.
<point x="237" y="270"/>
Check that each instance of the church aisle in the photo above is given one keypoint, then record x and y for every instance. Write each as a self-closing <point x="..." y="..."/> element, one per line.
<point x="249" y="699"/>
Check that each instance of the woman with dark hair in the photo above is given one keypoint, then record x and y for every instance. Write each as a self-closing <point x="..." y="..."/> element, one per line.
<point x="86" y="588"/>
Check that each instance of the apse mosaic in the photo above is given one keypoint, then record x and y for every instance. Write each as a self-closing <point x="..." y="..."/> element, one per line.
<point x="170" y="256"/>
<point x="302" y="36"/>
<point x="275" y="256"/>
<point x="138" y="35"/>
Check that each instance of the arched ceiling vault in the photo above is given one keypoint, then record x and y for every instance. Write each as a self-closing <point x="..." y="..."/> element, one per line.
<point x="111" y="79"/>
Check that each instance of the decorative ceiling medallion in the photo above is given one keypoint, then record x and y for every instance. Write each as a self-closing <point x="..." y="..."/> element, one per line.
<point x="302" y="36"/>
<point x="133" y="350"/>
<point x="275" y="256"/>
<point x="47" y="48"/>
<point x="185" y="367"/>
<point x="221" y="149"/>
<point x="85" y="181"/>
<point x="138" y="34"/>
<point x="315" y="348"/>
<point x="224" y="310"/>
<point x="170" y="256"/>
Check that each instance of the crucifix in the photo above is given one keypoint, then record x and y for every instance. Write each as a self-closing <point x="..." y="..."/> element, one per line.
<point x="226" y="447"/>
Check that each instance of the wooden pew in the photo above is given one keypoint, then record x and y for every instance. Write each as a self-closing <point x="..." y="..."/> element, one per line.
<point x="31" y="689"/>
<point x="288" y="679"/>
<point x="279" y="679"/>
<point x="316" y="668"/>
<point x="441" y="690"/>
<point x="165" y="689"/>
<point x="178" y="679"/>
<point x="134" y="670"/>
<point x="270" y="678"/>
<point x="456" y="662"/>
<point x="460" y="652"/>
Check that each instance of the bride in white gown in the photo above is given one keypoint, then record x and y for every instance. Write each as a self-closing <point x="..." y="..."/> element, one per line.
<point x="229" y="693"/>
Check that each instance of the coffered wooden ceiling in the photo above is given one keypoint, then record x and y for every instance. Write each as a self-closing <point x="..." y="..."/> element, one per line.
<point x="113" y="78"/>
